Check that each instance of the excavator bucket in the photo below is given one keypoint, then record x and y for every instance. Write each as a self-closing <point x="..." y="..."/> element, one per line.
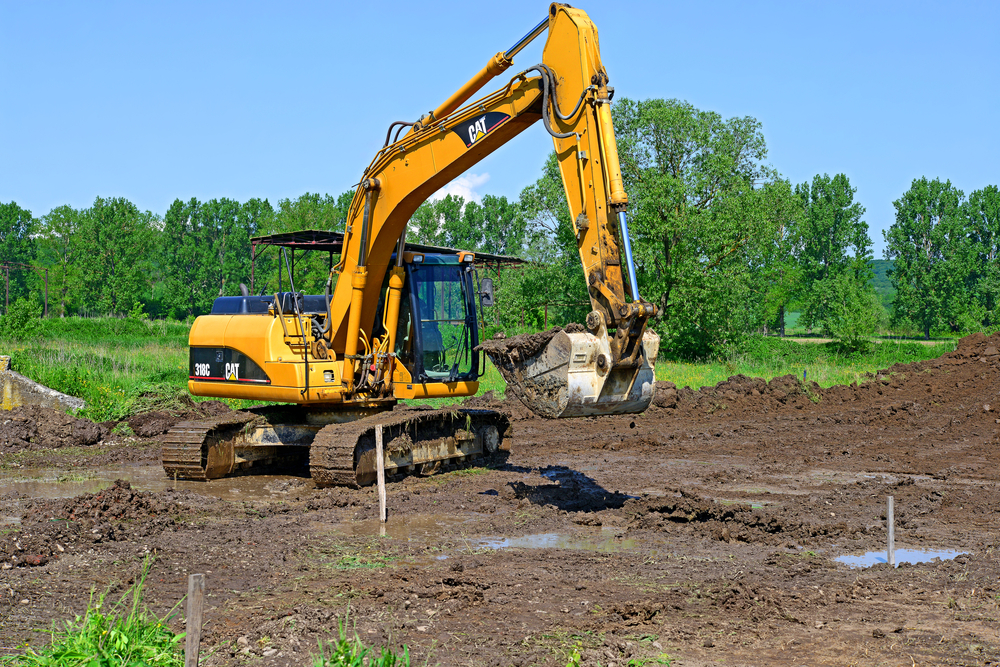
<point x="567" y="373"/>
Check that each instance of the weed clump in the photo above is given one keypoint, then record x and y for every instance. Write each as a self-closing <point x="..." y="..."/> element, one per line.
<point x="351" y="652"/>
<point x="122" y="633"/>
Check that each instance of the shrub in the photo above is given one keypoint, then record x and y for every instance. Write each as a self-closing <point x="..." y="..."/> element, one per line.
<point x="22" y="321"/>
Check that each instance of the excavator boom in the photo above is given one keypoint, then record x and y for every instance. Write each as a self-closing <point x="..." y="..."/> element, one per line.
<point x="569" y="93"/>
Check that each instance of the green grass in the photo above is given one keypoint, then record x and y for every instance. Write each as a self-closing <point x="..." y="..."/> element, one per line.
<point x="126" y="366"/>
<point x="118" y="366"/>
<point x="365" y="555"/>
<point x="348" y="651"/>
<point x="823" y="363"/>
<point x="123" y="633"/>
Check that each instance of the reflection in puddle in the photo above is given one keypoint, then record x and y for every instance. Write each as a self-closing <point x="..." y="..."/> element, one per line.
<point x="606" y="543"/>
<point x="902" y="556"/>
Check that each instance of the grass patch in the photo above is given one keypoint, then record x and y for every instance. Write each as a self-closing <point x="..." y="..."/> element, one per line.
<point x="122" y="633"/>
<point x="822" y="363"/>
<point x="347" y="651"/>
<point x="368" y="556"/>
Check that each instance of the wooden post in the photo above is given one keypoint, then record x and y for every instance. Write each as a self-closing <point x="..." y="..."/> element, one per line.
<point x="380" y="464"/>
<point x="195" y="605"/>
<point x="891" y="520"/>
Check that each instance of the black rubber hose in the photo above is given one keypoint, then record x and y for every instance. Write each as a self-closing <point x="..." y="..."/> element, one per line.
<point x="544" y="72"/>
<point x="555" y="101"/>
<point x="402" y="123"/>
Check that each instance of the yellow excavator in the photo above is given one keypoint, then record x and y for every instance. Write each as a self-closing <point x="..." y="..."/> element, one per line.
<point x="402" y="324"/>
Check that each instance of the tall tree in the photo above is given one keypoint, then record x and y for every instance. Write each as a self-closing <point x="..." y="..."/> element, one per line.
<point x="181" y="257"/>
<point x="982" y="212"/>
<point x="116" y="240"/>
<point x="703" y="209"/>
<point x="555" y="276"/>
<point x="931" y="252"/>
<point x="834" y="253"/>
<point x="227" y="248"/>
<point x="500" y="224"/>
<point x="257" y="219"/>
<point x="59" y="242"/>
<point x="17" y="245"/>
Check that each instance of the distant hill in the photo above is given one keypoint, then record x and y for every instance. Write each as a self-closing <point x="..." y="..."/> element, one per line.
<point x="883" y="286"/>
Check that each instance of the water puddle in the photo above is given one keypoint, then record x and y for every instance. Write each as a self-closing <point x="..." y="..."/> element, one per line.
<point x="419" y="528"/>
<point x="606" y="542"/>
<point x="57" y="483"/>
<point x="902" y="556"/>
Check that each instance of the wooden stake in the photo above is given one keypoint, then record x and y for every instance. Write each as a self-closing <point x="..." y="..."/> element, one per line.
<point x="195" y="605"/>
<point x="380" y="462"/>
<point x="891" y="520"/>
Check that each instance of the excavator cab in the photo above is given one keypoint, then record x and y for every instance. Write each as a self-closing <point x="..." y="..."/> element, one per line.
<point x="437" y="330"/>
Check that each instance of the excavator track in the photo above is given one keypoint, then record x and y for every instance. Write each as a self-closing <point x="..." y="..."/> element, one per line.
<point x="414" y="441"/>
<point x="203" y="449"/>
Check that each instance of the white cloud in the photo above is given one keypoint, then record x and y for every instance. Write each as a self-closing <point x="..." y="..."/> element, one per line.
<point x="465" y="186"/>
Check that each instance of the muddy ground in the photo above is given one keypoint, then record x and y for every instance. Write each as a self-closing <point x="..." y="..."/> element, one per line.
<point x="705" y="530"/>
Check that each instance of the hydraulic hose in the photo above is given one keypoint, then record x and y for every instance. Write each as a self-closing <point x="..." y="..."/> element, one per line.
<point x="401" y="124"/>
<point x="555" y="101"/>
<point x="329" y="314"/>
<point x="544" y="73"/>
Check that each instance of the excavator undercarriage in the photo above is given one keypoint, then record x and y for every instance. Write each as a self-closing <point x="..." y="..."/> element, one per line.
<point x="340" y="452"/>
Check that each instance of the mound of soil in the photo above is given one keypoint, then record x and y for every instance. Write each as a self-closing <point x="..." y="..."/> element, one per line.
<point x="965" y="377"/>
<point x="51" y="528"/>
<point x="35" y="427"/>
<point x="157" y="422"/>
<point x="118" y="502"/>
<point x="734" y="522"/>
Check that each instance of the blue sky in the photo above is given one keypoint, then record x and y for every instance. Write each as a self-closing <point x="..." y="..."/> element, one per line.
<point x="155" y="100"/>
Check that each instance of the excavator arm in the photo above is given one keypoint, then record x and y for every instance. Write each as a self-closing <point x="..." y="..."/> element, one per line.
<point x="569" y="93"/>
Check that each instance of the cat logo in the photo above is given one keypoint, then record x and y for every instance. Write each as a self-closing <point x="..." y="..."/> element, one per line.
<point x="233" y="372"/>
<point x="476" y="128"/>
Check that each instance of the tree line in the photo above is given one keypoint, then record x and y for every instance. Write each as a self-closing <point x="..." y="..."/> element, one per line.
<point x="723" y="244"/>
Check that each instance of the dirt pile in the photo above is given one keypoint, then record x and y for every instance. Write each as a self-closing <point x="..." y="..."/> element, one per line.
<point x="523" y="345"/>
<point x="965" y="378"/>
<point x="36" y="427"/>
<point x="51" y="528"/>
<point x="734" y="522"/>
<point x="156" y="422"/>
